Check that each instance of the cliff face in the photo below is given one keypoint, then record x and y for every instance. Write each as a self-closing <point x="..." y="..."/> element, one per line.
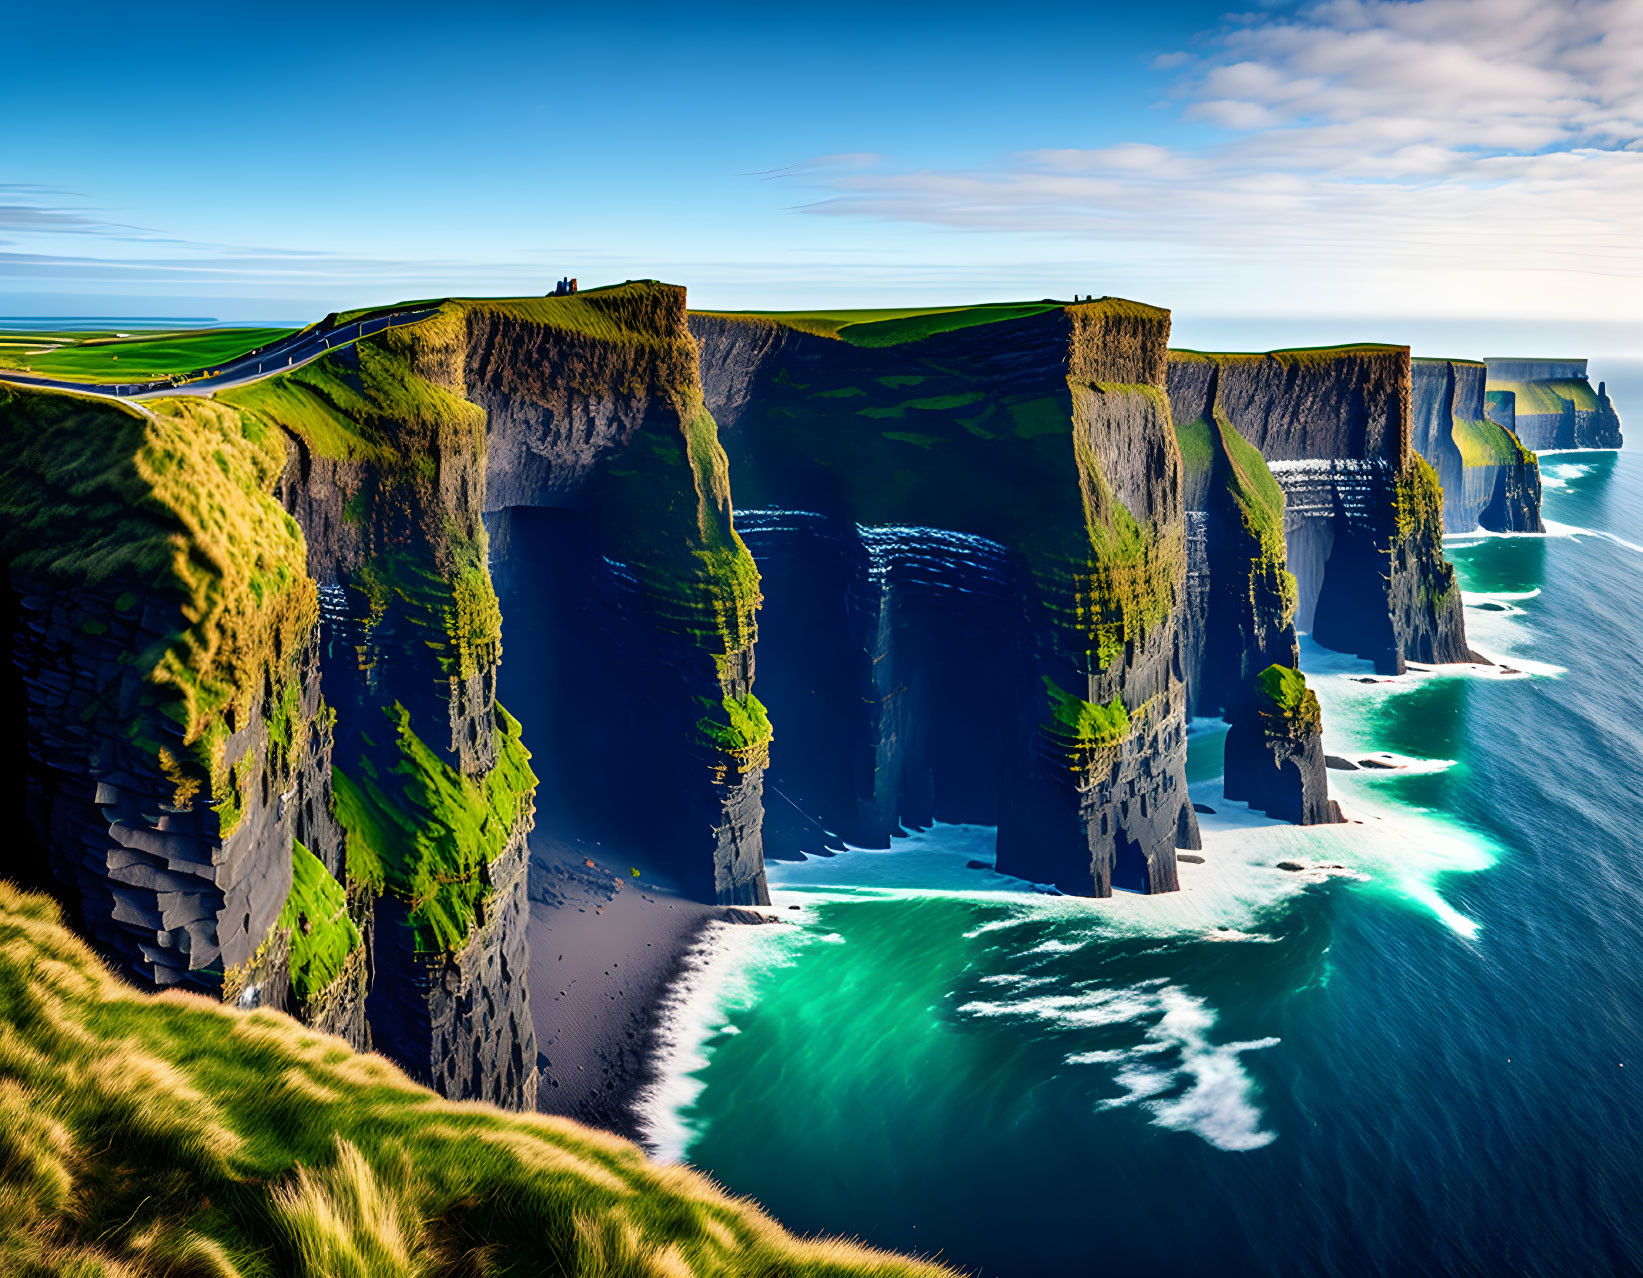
<point x="1489" y="479"/>
<point x="1363" y="511"/>
<point x="263" y="746"/>
<point x="176" y="743"/>
<point x="973" y="552"/>
<point x="1239" y="631"/>
<point x="1549" y="403"/>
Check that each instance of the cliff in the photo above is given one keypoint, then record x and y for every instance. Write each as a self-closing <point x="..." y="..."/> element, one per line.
<point x="1275" y="759"/>
<point x="1489" y="479"/>
<point x="1239" y="624"/>
<point x="972" y="543"/>
<point x="1549" y="403"/>
<point x="1363" y="521"/>
<point x="255" y="649"/>
<point x="164" y="1136"/>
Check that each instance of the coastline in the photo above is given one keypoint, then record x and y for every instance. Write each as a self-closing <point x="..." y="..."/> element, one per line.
<point x="606" y="946"/>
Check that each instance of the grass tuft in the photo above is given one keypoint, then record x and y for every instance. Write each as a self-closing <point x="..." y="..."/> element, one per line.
<point x="158" y="1136"/>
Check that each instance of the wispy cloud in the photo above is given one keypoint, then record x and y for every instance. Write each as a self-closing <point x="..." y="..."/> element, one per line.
<point x="1364" y="145"/>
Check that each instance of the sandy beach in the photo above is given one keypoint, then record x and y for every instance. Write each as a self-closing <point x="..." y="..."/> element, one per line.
<point x="604" y="946"/>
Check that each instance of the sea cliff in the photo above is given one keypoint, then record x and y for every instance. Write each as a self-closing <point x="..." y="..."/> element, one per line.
<point x="1363" y="519"/>
<point x="1490" y="480"/>
<point x="1550" y="403"/>
<point x="254" y="651"/>
<point x="973" y="550"/>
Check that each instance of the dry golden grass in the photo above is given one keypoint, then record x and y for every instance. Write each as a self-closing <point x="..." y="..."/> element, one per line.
<point x="146" y="1136"/>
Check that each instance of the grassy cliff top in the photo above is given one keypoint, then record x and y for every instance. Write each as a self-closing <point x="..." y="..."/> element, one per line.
<point x="892" y="326"/>
<point x="1287" y="355"/>
<point x="1288" y="698"/>
<point x="113" y="357"/>
<point x="1444" y="359"/>
<point x="148" y="1136"/>
<point x="1547" y="397"/>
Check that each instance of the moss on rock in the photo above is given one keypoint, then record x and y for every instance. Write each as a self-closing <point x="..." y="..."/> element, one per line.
<point x="427" y="833"/>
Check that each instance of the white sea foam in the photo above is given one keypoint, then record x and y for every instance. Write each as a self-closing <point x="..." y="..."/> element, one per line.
<point x="1559" y="474"/>
<point x="1056" y="947"/>
<point x="1216" y="1097"/>
<point x="1555" y="529"/>
<point x="1398" y="765"/>
<point x="721" y="974"/>
<point x="1219" y="1106"/>
<point x="1085" y="1009"/>
<point x="1231" y="896"/>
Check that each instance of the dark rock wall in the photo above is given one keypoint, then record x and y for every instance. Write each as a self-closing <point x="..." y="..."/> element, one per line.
<point x="1275" y="762"/>
<point x="565" y="412"/>
<point x="1498" y="486"/>
<point x="462" y="1022"/>
<point x="1362" y="520"/>
<point x="912" y="555"/>
<point x="1240" y="604"/>
<point x="159" y="889"/>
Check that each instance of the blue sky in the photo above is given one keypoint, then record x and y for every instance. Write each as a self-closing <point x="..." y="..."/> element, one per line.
<point x="1350" y="163"/>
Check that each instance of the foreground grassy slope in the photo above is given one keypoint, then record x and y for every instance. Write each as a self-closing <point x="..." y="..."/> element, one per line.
<point x="166" y="1135"/>
<point x="107" y="357"/>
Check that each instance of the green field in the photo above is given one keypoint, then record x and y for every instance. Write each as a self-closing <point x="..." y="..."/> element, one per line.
<point x="109" y="357"/>
<point x="893" y="326"/>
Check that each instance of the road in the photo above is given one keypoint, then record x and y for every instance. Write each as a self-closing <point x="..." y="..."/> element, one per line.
<point x="277" y="357"/>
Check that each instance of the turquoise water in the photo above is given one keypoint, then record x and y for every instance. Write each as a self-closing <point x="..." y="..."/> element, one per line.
<point x="1417" y="1054"/>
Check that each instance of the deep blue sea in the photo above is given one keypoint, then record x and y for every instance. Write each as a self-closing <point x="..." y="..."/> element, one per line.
<point x="1419" y="1054"/>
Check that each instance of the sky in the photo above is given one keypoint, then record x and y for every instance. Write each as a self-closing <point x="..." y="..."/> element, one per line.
<point x="1352" y="169"/>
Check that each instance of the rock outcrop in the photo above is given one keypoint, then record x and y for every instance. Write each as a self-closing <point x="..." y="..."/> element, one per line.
<point x="1489" y="479"/>
<point x="1275" y="759"/>
<point x="972" y="545"/>
<point x="1550" y="403"/>
<point x="1363" y="516"/>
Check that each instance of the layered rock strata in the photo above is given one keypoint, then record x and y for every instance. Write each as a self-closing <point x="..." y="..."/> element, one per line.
<point x="1550" y="403"/>
<point x="1363" y="519"/>
<point x="973" y="550"/>
<point x="1489" y="479"/>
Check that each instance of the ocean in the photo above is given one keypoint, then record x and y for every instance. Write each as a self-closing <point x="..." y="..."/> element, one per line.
<point x="1417" y="1052"/>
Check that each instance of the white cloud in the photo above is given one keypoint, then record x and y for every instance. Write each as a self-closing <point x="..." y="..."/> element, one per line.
<point x="1478" y="155"/>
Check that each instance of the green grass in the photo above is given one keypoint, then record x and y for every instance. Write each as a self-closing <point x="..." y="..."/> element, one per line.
<point x="1483" y="443"/>
<point x="895" y="326"/>
<point x="1082" y="728"/>
<point x="427" y="833"/>
<point x="1197" y="447"/>
<point x="174" y="505"/>
<point x="103" y="357"/>
<point x="1546" y="398"/>
<point x="1250" y="481"/>
<point x="315" y="916"/>
<point x="741" y="726"/>
<point x="1285" y="697"/>
<point x="1301" y="356"/>
<point x="170" y="1137"/>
